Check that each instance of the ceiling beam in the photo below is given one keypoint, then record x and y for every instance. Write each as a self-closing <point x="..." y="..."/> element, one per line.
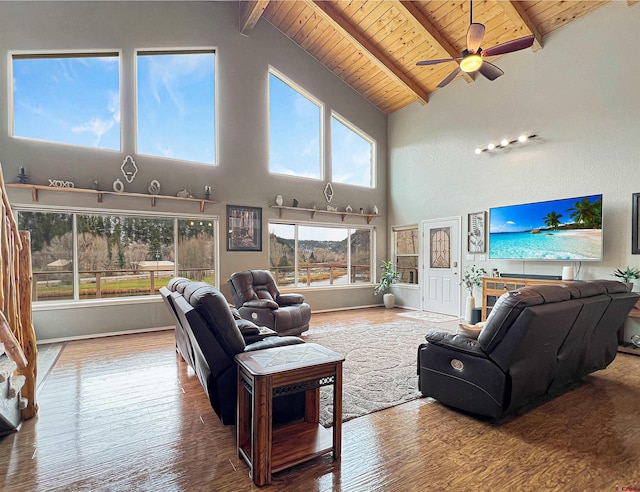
<point x="331" y="15"/>
<point x="518" y="15"/>
<point x="422" y="24"/>
<point x="250" y="13"/>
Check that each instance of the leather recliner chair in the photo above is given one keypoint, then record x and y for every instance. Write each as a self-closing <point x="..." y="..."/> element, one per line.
<point x="208" y="337"/>
<point x="258" y="299"/>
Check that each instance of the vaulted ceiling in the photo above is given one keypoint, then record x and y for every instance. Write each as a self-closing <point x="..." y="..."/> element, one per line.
<point x="374" y="45"/>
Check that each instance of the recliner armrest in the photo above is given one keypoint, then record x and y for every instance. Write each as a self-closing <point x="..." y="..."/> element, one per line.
<point x="459" y="343"/>
<point x="271" y="342"/>
<point x="247" y="328"/>
<point x="261" y="304"/>
<point x="289" y="299"/>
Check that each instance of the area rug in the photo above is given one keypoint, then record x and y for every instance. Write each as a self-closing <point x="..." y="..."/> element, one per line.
<point x="429" y="316"/>
<point x="379" y="370"/>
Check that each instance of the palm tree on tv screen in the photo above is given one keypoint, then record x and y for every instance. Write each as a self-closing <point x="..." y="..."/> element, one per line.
<point x="587" y="214"/>
<point x="552" y="220"/>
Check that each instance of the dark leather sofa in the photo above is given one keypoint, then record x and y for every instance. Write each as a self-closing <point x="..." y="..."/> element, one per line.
<point x="208" y="337"/>
<point x="537" y="343"/>
<point x="258" y="299"/>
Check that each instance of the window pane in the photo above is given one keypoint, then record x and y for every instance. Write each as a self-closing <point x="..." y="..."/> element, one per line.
<point x="69" y="99"/>
<point x="196" y="250"/>
<point x="294" y="131"/>
<point x="407" y="242"/>
<point x="360" y="256"/>
<point x="122" y="256"/>
<point x="176" y="106"/>
<point x="51" y="253"/>
<point x="351" y="156"/>
<point x="282" y="253"/>
<point x="322" y="256"/>
<point x="408" y="268"/>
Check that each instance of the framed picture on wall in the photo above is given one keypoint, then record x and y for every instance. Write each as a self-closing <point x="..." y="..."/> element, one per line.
<point x="244" y="228"/>
<point x="635" y="240"/>
<point x="476" y="232"/>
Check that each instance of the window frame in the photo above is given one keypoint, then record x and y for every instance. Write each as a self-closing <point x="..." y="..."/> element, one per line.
<point x="58" y="53"/>
<point x="321" y="125"/>
<point x="296" y="223"/>
<point x="75" y="211"/>
<point x="373" y="162"/>
<point x="178" y="51"/>
<point x="396" y="255"/>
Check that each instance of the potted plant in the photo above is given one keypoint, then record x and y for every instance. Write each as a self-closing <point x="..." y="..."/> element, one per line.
<point x="472" y="277"/>
<point x="627" y="275"/>
<point x="388" y="277"/>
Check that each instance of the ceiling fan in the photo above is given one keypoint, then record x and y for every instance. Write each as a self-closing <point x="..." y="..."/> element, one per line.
<point x="472" y="59"/>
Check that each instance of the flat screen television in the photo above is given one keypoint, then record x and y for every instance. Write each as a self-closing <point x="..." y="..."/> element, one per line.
<point x="569" y="229"/>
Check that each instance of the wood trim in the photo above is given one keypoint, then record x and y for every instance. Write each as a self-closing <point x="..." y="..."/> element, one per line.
<point x="250" y="13"/>
<point x="518" y="15"/>
<point x="422" y="24"/>
<point x="331" y="15"/>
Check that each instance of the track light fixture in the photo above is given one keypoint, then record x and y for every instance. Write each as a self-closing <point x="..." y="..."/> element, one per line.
<point x="504" y="143"/>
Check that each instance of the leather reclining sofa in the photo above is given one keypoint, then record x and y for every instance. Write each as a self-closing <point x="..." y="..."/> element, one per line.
<point x="208" y="336"/>
<point x="537" y="343"/>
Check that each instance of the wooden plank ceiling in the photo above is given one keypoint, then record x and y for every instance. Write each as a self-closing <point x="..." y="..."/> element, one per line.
<point x="374" y="45"/>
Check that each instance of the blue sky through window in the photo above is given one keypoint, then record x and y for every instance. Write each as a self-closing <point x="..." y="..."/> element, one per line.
<point x="294" y="132"/>
<point x="68" y="99"/>
<point x="351" y="156"/>
<point x="176" y="106"/>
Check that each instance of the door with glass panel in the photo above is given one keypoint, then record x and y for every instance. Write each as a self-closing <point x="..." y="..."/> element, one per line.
<point x="441" y="259"/>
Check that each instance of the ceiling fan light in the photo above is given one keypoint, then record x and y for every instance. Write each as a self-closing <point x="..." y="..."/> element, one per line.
<point x="471" y="63"/>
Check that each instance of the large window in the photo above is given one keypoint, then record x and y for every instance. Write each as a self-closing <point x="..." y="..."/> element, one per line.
<point x="295" y="134"/>
<point x="305" y="255"/>
<point x="117" y="255"/>
<point x="352" y="154"/>
<point x="68" y="98"/>
<point x="406" y="248"/>
<point x="176" y="105"/>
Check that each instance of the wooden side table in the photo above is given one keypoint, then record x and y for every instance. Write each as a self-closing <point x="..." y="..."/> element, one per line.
<point x="263" y="374"/>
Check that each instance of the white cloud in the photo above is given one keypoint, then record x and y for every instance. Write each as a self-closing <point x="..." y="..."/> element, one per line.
<point x="95" y="126"/>
<point x="511" y="222"/>
<point x="165" y="151"/>
<point x="113" y="105"/>
<point x="100" y="126"/>
<point x="167" y="72"/>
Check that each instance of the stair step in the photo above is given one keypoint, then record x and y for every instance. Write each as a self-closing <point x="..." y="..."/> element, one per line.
<point x="7" y="367"/>
<point x="15" y="385"/>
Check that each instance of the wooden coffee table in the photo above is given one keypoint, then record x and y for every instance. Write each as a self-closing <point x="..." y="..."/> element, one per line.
<point x="278" y="371"/>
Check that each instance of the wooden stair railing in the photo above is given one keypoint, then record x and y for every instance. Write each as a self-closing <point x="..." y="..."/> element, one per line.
<point x="16" y="325"/>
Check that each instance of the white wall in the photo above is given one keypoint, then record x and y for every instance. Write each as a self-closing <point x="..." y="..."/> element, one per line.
<point x="579" y="94"/>
<point x="242" y="177"/>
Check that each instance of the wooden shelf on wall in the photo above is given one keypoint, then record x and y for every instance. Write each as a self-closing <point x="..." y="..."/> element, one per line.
<point x="314" y="211"/>
<point x="100" y="194"/>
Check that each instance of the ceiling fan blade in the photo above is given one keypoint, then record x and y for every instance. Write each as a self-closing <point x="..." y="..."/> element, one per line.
<point x="475" y="34"/>
<point x="434" y="62"/>
<point x="449" y="78"/>
<point x="490" y="71"/>
<point x="509" y="46"/>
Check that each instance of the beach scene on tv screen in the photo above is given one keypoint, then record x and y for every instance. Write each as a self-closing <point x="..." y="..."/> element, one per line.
<point x="566" y="229"/>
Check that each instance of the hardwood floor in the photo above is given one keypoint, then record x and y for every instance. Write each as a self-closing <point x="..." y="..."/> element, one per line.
<point x="125" y="414"/>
